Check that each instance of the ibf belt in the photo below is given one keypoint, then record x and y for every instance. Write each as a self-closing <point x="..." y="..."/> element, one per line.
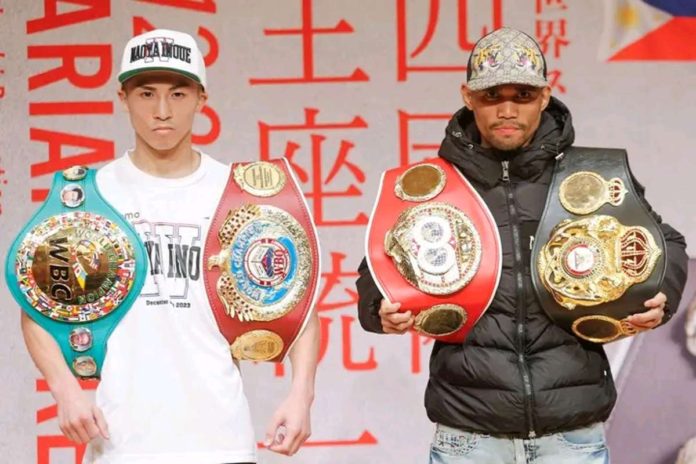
<point x="262" y="261"/>
<point x="433" y="246"/>
<point x="76" y="269"/>
<point x="598" y="253"/>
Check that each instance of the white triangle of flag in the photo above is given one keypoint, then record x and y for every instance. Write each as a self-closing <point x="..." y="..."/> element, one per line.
<point x="626" y="21"/>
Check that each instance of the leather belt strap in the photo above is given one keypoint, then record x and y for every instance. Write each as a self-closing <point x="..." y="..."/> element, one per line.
<point x="262" y="261"/>
<point x="433" y="246"/>
<point x="598" y="253"/>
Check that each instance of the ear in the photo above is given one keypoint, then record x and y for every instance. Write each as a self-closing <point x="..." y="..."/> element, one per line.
<point x="123" y="98"/>
<point x="466" y="96"/>
<point x="545" y="97"/>
<point x="202" y="99"/>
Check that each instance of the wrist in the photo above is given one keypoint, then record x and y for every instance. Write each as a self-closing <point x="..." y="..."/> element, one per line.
<point x="303" y="390"/>
<point x="64" y="388"/>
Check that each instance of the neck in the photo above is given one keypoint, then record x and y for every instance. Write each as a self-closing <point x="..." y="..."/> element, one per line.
<point x="178" y="161"/>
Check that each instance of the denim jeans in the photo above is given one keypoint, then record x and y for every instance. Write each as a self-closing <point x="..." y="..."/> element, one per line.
<point x="585" y="445"/>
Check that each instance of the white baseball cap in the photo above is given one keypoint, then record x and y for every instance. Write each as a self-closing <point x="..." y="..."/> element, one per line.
<point x="163" y="50"/>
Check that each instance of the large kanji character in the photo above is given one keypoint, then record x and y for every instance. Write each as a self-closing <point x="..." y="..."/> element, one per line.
<point x="552" y="36"/>
<point x="408" y="61"/>
<point x="410" y="151"/>
<point x="310" y="161"/>
<point x="307" y="31"/>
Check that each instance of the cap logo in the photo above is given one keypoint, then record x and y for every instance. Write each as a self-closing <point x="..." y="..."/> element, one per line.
<point x="487" y="59"/>
<point x="161" y="48"/>
<point x="527" y="58"/>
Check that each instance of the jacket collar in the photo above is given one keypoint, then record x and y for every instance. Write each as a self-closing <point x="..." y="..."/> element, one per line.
<point x="462" y="147"/>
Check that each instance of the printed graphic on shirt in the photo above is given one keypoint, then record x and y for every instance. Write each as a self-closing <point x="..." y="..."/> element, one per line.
<point x="174" y="259"/>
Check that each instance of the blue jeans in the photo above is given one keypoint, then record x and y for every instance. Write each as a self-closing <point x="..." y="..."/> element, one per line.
<point x="586" y="445"/>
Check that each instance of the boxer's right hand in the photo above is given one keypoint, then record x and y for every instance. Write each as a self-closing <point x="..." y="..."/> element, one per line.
<point x="394" y="322"/>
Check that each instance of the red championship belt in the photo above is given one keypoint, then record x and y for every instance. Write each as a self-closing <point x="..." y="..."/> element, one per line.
<point x="433" y="246"/>
<point x="262" y="261"/>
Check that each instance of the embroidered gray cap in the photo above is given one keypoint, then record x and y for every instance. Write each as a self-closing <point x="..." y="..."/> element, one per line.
<point x="163" y="50"/>
<point x="506" y="56"/>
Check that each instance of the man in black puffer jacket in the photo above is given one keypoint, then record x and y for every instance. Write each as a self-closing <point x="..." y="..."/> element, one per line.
<point x="519" y="389"/>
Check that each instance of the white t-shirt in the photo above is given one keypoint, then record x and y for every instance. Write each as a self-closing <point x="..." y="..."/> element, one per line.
<point x="170" y="390"/>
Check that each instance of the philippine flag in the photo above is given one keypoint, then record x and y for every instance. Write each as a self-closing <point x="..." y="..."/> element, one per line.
<point x="642" y="30"/>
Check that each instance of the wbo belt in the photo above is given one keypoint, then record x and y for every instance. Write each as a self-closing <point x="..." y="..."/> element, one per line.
<point x="262" y="261"/>
<point x="433" y="246"/>
<point x="76" y="269"/>
<point x="598" y="253"/>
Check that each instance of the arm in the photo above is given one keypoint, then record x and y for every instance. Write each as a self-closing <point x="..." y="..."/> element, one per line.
<point x="369" y="298"/>
<point x="290" y="425"/>
<point x="662" y="307"/>
<point x="80" y="420"/>
<point x="375" y="314"/>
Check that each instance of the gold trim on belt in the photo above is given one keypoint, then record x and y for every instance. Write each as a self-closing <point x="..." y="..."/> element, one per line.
<point x="595" y="260"/>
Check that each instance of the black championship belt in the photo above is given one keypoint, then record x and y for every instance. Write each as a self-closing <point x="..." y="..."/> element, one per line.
<point x="598" y="253"/>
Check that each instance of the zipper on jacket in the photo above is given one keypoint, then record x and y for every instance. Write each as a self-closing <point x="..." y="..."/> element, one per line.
<point x="521" y="296"/>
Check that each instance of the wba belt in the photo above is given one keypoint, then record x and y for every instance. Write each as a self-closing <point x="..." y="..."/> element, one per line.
<point x="262" y="258"/>
<point x="598" y="253"/>
<point x="433" y="246"/>
<point x="76" y="269"/>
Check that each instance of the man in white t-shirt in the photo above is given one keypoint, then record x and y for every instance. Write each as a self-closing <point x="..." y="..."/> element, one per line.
<point x="170" y="392"/>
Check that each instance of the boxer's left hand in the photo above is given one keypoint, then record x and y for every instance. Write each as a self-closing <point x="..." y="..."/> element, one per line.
<point x="653" y="316"/>
<point x="290" y="426"/>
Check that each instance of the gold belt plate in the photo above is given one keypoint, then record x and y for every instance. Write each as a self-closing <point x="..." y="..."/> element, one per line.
<point x="585" y="192"/>
<point x="595" y="260"/>
<point x="265" y="263"/>
<point x="75" y="267"/>
<point x="435" y="247"/>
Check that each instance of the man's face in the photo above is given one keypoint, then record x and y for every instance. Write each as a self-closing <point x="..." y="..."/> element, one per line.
<point x="161" y="106"/>
<point x="507" y="116"/>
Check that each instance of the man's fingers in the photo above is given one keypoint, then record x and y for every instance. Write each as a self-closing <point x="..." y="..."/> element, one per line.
<point x="398" y="318"/>
<point x="90" y="425"/>
<point x="274" y="429"/>
<point x="394" y="322"/>
<point x="646" y="320"/>
<point x="284" y="441"/>
<point x="654" y="315"/>
<point x="398" y="328"/>
<point x="294" y="440"/>
<point x="101" y="422"/>
<point x="388" y="308"/>
<point x="67" y="431"/>
<point x="658" y="300"/>
<point x="405" y="325"/>
<point x="79" y="433"/>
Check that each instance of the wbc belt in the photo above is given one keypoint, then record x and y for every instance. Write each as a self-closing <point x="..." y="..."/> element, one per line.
<point x="598" y="253"/>
<point x="76" y="269"/>
<point x="433" y="246"/>
<point x="262" y="257"/>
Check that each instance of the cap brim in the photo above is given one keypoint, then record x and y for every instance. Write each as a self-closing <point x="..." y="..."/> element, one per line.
<point x="483" y="84"/>
<point x="123" y="77"/>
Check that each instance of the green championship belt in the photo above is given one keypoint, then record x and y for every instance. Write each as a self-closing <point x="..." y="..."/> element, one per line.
<point x="76" y="269"/>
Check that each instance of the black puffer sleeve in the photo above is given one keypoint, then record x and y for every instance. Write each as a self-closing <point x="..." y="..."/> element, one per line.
<point x="369" y="299"/>
<point x="677" y="259"/>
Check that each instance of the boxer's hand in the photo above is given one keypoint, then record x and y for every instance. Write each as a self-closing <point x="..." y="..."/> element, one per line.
<point x="79" y="418"/>
<point x="394" y="322"/>
<point x="653" y="316"/>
